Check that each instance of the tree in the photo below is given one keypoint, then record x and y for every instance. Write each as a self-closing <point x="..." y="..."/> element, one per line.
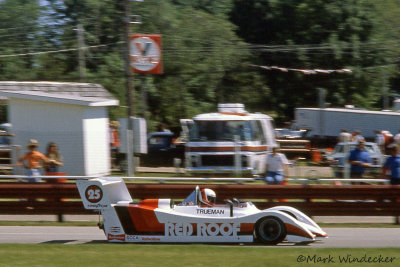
<point x="200" y="53"/>
<point x="312" y="34"/>
<point x="18" y="23"/>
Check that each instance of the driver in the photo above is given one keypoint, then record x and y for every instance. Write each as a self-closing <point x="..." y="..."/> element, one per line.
<point x="207" y="197"/>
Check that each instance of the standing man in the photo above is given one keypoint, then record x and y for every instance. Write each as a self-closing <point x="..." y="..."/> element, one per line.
<point x="34" y="161"/>
<point x="357" y="137"/>
<point x="114" y="143"/>
<point x="397" y="140"/>
<point x="344" y="136"/>
<point x="380" y="140"/>
<point x="359" y="159"/>
<point x="276" y="167"/>
<point x="393" y="164"/>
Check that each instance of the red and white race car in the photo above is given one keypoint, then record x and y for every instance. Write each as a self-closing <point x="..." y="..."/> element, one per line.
<point x="196" y="219"/>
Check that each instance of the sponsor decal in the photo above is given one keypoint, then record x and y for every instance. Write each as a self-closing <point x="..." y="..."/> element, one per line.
<point x="115" y="229"/>
<point x="202" y="229"/>
<point x="93" y="193"/>
<point x="132" y="238"/>
<point x="116" y="237"/>
<point x="209" y="211"/>
<point x="97" y="206"/>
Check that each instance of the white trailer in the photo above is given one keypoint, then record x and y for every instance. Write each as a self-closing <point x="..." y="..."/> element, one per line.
<point x="328" y="122"/>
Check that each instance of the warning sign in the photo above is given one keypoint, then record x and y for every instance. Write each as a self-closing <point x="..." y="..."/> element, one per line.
<point x="145" y="53"/>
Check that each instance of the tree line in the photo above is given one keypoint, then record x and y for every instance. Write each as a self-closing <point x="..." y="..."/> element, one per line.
<point x="262" y="53"/>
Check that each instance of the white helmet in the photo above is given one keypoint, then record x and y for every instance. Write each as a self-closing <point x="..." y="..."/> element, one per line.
<point x="207" y="197"/>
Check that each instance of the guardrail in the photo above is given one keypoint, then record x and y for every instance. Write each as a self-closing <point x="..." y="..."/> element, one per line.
<point x="321" y="200"/>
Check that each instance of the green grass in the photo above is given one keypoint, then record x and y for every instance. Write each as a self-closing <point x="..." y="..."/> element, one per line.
<point x="183" y="255"/>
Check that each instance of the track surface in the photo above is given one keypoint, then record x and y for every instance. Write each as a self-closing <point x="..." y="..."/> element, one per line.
<point x="338" y="237"/>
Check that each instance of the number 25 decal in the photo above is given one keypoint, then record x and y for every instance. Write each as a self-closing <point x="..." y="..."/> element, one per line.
<point x="93" y="193"/>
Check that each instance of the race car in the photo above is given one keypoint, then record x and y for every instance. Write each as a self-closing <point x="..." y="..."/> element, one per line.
<point x="196" y="219"/>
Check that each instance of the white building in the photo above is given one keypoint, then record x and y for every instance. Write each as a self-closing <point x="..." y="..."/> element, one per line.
<point x="78" y="124"/>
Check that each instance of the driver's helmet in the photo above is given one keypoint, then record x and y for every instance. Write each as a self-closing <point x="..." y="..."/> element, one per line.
<point x="207" y="197"/>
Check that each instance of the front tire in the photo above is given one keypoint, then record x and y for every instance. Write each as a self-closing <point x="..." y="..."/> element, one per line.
<point x="270" y="230"/>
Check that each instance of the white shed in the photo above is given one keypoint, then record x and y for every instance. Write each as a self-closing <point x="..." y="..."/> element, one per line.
<point x="78" y="124"/>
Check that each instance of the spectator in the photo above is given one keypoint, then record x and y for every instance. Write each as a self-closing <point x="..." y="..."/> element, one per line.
<point x="380" y="140"/>
<point x="356" y="137"/>
<point x="276" y="167"/>
<point x="56" y="160"/>
<point x="114" y="143"/>
<point x="163" y="128"/>
<point x="33" y="160"/>
<point x="397" y="140"/>
<point x="392" y="164"/>
<point x="344" y="136"/>
<point x="359" y="159"/>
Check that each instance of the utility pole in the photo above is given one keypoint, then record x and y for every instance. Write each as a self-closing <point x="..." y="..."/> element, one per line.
<point x="144" y="96"/>
<point x="81" y="53"/>
<point x="129" y="91"/>
<point x="128" y="72"/>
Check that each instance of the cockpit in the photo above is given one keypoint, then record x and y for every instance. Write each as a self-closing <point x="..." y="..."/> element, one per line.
<point x="201" y="197"/>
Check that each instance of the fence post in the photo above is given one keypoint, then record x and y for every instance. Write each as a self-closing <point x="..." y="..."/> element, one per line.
<point x="60" y="216"/>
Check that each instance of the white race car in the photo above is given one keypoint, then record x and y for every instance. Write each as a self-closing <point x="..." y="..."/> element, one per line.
<point x="196" y="219"/>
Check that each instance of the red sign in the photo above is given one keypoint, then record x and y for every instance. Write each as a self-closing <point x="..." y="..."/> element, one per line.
<point x="145" y="53"/>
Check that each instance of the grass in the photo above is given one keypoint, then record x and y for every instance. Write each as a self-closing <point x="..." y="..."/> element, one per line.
<point x="186" y="255"/>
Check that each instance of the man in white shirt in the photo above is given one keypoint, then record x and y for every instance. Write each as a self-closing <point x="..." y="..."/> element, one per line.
<point x="380" y="140"/>
<point x="344" y="136"/>
<point x="357" y="137"/>
<point x="397" y="140"/>
<point x="276" y="167"/>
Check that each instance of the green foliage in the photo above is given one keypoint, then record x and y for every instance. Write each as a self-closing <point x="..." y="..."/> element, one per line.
<point x="318" y="35"/>
<point x="209" y="48"/>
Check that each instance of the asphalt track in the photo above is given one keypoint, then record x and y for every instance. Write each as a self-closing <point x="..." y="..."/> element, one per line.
<point x="338" y="237"/>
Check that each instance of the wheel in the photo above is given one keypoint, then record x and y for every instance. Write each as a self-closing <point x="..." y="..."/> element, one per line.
<point x="270" y="230"/>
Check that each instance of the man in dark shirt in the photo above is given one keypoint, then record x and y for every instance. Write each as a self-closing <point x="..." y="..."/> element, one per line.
<point x="359" y="159"/>
<point x="393" y="164"/>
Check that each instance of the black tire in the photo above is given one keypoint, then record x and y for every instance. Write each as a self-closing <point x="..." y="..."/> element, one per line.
<point x="270" y="230"/>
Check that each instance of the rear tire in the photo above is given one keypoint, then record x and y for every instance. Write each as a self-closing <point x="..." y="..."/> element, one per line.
<point x="270" y="230"/>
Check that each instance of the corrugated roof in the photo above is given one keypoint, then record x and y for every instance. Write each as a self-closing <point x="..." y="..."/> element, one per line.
<point x="64" y="88"/>
<point x="60" y="98"/>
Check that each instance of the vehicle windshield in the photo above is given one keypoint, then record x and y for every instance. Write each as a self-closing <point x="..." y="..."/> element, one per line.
<point x="340" y="148"/>
<point x="191" y="199"/>
<point x="226" y="131"/>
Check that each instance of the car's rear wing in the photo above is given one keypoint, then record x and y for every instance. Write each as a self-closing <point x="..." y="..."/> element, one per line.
<point x="100" y="193"/>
